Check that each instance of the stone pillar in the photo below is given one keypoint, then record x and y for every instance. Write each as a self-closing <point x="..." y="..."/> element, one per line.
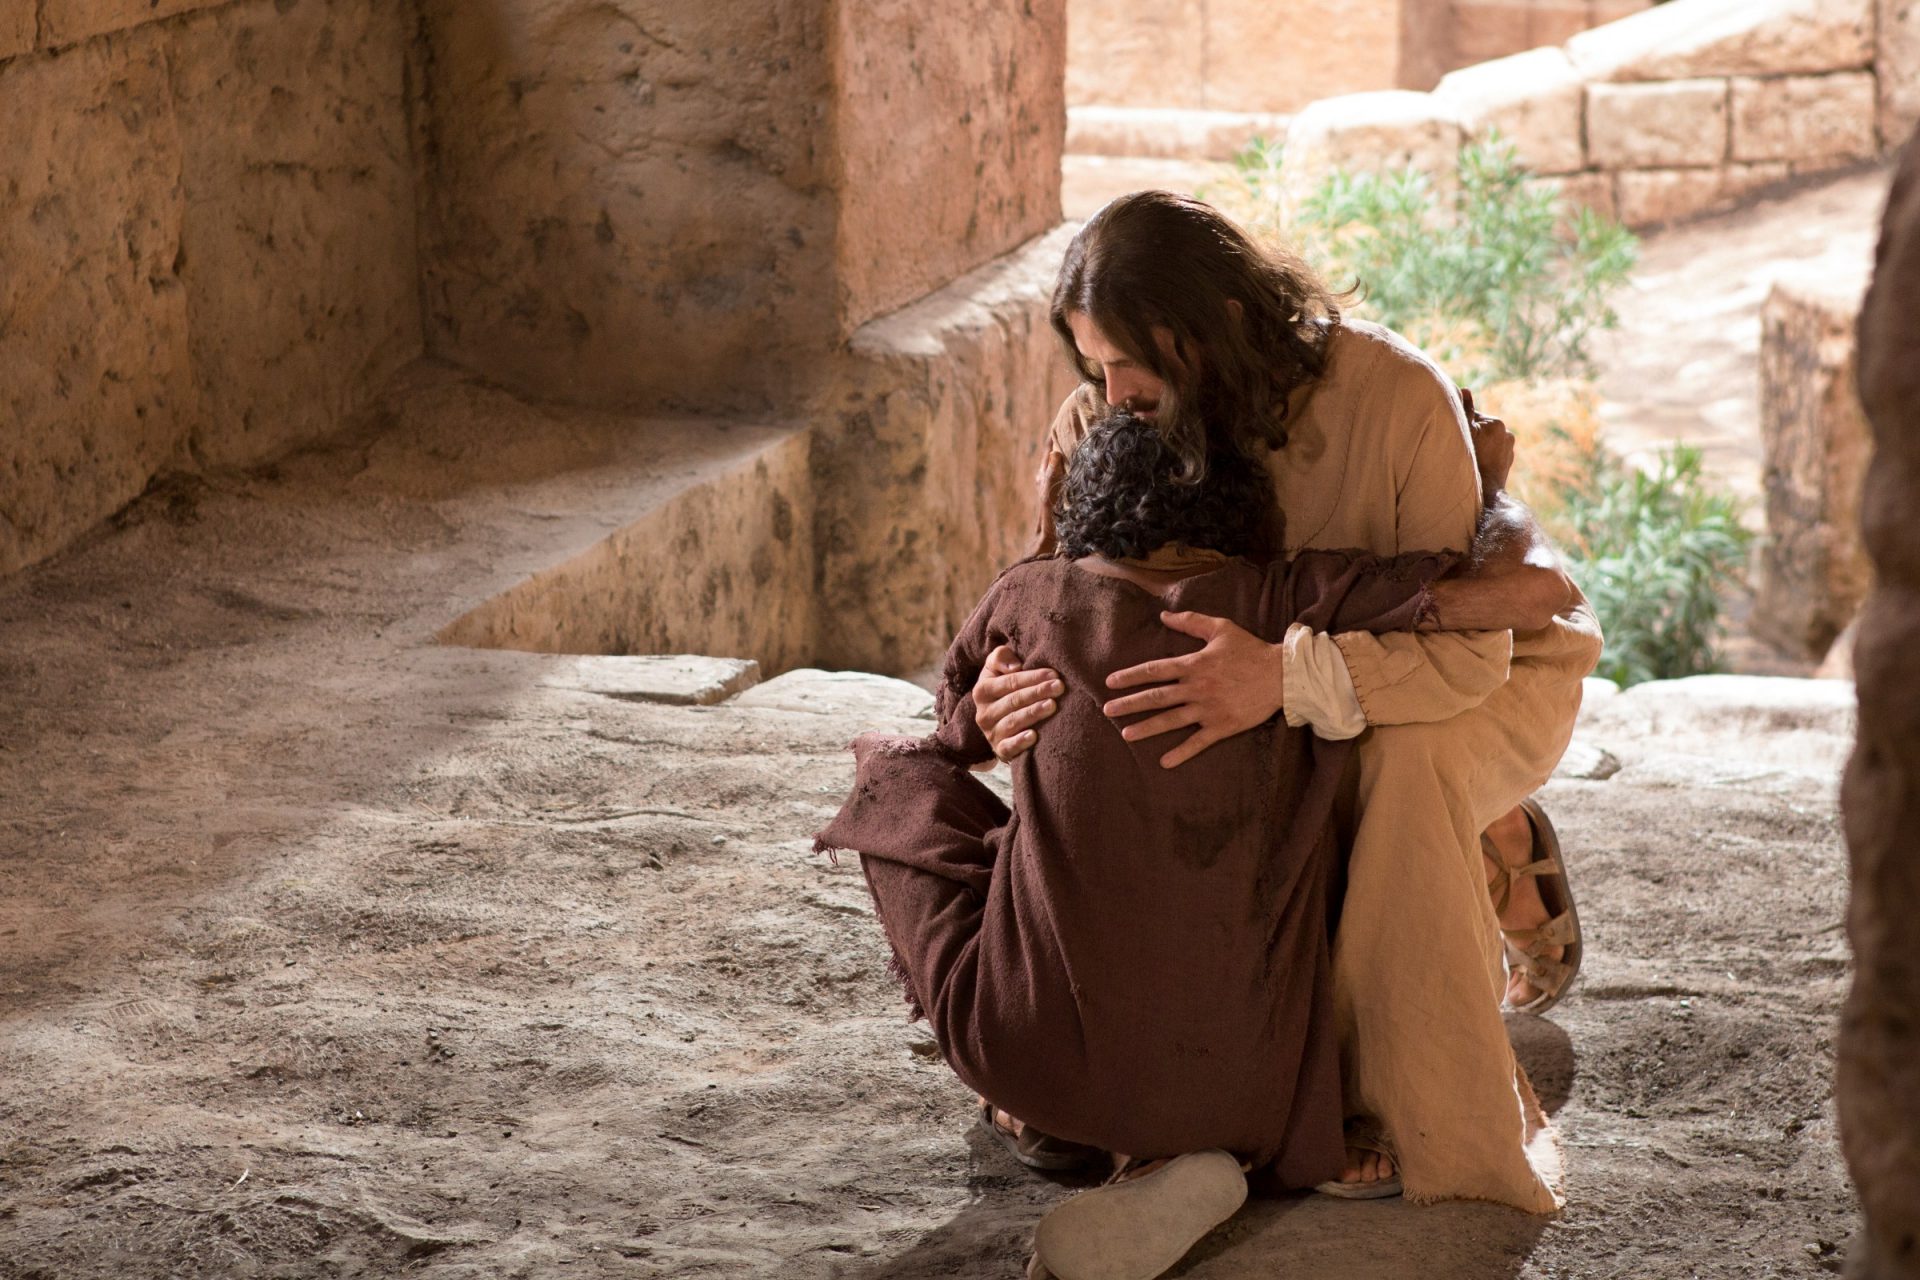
<point x="1878" y="1085"/>
<point x="1813" y="571"/>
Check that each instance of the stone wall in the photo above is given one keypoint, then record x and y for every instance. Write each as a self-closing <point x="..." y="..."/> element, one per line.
<point x="1878" y="1085"/>
<point x="1254" y="56"/>
<point x="213" y="253"/>
<point x="1814" y="573"/>
<point x="1674" y="112"/>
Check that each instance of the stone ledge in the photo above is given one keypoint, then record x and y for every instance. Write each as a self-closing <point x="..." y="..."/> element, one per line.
<point x="1689" y="39"/>
<point x="1168" y="133"/>
<point x="675" y="680"/>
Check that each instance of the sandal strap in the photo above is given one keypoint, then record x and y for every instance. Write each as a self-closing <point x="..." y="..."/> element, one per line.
<point x="1549" y="976"/>
<point x="1561" y="931"/>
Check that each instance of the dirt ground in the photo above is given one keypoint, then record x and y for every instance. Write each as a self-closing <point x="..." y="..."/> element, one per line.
<point x="329" y="951"/>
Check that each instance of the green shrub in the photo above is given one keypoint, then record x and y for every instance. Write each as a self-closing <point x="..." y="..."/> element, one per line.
<point x="1508" y="281"/>
<point x="1653" y="553"/>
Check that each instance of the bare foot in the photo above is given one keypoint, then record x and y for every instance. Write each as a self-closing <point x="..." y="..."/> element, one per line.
<point x="1365" y="1166"/>
<point x="1512" y="836"/>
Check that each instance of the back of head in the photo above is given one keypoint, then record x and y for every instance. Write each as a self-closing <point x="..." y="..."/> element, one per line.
<point x="1124" y="497"/>
<point x="1248" y="322"/>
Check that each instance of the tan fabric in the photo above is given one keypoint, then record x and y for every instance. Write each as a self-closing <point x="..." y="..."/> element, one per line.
<point x="1380" y="459"/>
<point x="1317" y="690"/>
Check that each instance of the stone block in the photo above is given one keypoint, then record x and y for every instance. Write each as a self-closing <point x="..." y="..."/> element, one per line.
<point x="925" y="472"/>
<point x="299" y="232"/>
<point x="840" y="693"/>
<point x="1136" y="53"/>
<point x="630" y="203"/>
<point x="1820" y="118"/>
<point x="17" y="29"/>
<point x="1692" y="39"/>
<point x="1897" y="68"/>
<point x="1373" y="133"/>
<point x="1647" y="126"/>
<point x="1261" y="57"/>
<point x="949" y="127"/>
<point x="1814" y="573"/>
<point x="1167" y="133"/>
<point x="1534" y="100"/>
<point x="1653" y="197"/>
<point x="66" y="22"/>
<point x="671" y="679"/>
<point x="1593" y="191"/>
<point x="1601" y="12"/>
<point x="95" y="388"/>
<point x="1484" y="30"/>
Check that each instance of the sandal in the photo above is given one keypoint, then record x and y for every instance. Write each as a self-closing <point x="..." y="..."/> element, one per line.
<point x="1527" y="948"/>
<point x="1366" y="1135"/>
<point x="1138" y="1228"/>
<point x="1037" y="1150"/>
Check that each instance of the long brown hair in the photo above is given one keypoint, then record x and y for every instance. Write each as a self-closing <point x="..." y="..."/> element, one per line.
<point x="1154" y="259"/>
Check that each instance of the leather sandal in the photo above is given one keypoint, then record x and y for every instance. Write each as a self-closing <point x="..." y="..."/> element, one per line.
<point x="1038" y="1150"/>
<point x="1366" y="1135"/>
<point x="1527" y="948"/>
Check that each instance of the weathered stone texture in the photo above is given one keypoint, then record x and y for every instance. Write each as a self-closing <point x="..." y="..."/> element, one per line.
<point x="1166" y="132"/>
<point x="1878" y="1084"/>
<point x="1648" y="126"/>
<point x="1699" y="38"/>
<point x="1828" y="118"/>
<point x="629" y="200"/>
<point x="1813" y="570"/>
<point x="95" y="393"/>
<point x="926" y="483"/>
<point x="16" y="28"/>
<point x="1373" y="132"/>
<point x="1262" y="57"/>
<point x="1484" y="30"/>
<point x="1125" y="53"/>
<point x="299" y="217"/>
<point x="1593" y="191"/>
<point x="1897" y="63"/>
<point x="950" y="124"/>
<point x="1650" y="197"/>
<point x="65" y="22"/>
<point x="1534" y="100"/>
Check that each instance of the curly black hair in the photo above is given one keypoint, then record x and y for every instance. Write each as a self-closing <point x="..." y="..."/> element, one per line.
<point x="1124" y="498"/>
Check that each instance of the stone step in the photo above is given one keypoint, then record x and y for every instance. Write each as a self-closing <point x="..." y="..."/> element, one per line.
<point x="1168" y="133"/>
<point x="602" y="533"/>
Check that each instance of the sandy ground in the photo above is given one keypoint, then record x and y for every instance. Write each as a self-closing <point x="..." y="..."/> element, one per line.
<point x="327" y="951"/>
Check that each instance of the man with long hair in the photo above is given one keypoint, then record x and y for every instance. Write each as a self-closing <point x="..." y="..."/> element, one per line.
<point x="1171" y="312"/>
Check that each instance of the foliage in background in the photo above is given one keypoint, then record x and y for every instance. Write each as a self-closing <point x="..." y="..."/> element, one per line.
<point x="1653" y="552"/>
<point x="1504" y="284"/>
<point x="1500" y="277"/>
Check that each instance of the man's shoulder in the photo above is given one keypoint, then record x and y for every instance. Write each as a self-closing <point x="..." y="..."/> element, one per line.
<point x="1366" y="354"/>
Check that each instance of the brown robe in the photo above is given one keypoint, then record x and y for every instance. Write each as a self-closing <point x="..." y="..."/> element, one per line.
<point x="1134" y="958"/>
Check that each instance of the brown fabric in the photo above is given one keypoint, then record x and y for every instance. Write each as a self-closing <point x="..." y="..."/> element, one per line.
<point x="1380" y="458"/>
<point x="1135" y="958"/>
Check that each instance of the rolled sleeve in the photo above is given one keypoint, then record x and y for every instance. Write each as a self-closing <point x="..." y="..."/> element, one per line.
<point x="1319" y="692"/>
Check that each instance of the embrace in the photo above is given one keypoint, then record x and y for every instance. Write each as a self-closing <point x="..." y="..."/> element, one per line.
<point x="1276" y="686"/>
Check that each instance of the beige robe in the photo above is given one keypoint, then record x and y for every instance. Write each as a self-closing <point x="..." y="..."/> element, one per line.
<point x="1380" y="458"/>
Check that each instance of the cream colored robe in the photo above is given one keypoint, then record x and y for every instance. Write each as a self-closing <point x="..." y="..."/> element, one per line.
<point x="1380" y="458"/>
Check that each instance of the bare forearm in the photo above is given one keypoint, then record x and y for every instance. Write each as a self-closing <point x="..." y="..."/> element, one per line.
<point x="1513" y="579"/>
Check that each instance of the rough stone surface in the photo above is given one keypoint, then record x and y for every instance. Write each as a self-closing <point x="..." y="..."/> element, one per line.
<point x="16" y="29"/>
<point x="1593" y="191"/>
<point x="1651" y="197"/>
<point x="949" y="126"/>
<point x="840" y="693"/>
<point x="298" y="232"/>
<point x="630" y="203"/>
<point x="1814" y="573"/>
<point x="1649" y="126"/>
<point x="1534" y="100"/>
<point x="671" y="679"/>
<point x="1131" y="53"/>
<point x="1259" y="58"/>
<point x="1806" y="118"/>
<point x="1167" y="132"/>
<point x="925" y="469"/>
<point x="65" y="22"/>
<point x="95" y="389"/>
<point x="1878" y="1084"/>
<point x="1897" y="68"/>
<point x="1485" y="30"/>
<point x="1690" y="39"/>
<point x="1373" y="132"/>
